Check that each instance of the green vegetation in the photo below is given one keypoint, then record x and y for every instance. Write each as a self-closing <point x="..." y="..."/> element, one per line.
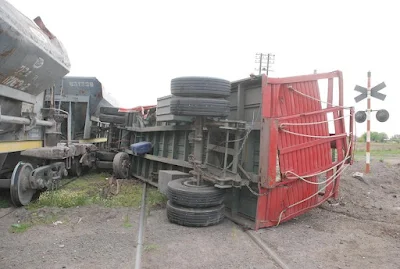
<point x="150" y="247"/>
<point x="88" y="190"/>
<point x="127" y="223"/>
<point x="19" y="227"/>
<point x="375" y="137"/>
<point x="379" y="151"/>
<point x="4" y="203"/>
<point x="36" y="218"/>
<point x="92" y="189"/>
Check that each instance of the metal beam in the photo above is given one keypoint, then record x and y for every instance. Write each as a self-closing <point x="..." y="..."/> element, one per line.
<point x="94" y="140"/>
<point x="164" y="160"/>
<point x="5" y="183"/>
<point x="220" y="149"/>
<point x="160" y="128"/>
<point x="23" y="121"/>
<point x="17" y="94"/>
<point x="15" y="146"/>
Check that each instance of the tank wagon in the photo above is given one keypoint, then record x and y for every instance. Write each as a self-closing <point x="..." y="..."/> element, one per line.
<point x="259" y="150"/>
<point x="32" y="59"/>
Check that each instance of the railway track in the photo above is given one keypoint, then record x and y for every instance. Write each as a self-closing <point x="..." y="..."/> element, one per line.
<point x="251" y="234"/>
<point x="142" y="225"/>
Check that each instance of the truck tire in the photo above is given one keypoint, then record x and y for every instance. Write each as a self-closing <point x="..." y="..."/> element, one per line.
<point x="121" y="165"/>
<point x="111" y="111"/>
<point x="105" y="156"/>
<point x="200" y="87"/>
<point x="185" y="192"/>
<point x="104" y="165"/>
<point x="112" y="119"/>
<point x="195" y="217"/>
<point x="189" y="106"/>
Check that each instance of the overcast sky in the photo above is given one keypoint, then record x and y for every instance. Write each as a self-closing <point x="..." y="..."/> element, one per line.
<point x="136" y="47"/>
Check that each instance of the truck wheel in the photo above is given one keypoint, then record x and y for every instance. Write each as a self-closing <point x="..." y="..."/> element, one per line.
<point x="111" y="111"/>
<point x="105" y="156"/>
<point x="121" y="165"/>
<point x="20" y="190"/>
<point x="200" y="87"/>
<point x="194" y="217"/>
<point x="189" y="106"/>
<point x="112" y="119"/>
<point x="105" y="165"/>
<point x="185" y="192"/>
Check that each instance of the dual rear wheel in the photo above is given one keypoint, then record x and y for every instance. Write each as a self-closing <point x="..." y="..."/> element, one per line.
<point x="194" y="205"/>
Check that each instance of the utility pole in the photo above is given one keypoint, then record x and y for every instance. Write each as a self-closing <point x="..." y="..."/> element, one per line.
<point x="368" y="146"/>
<point x="262" y="59"/>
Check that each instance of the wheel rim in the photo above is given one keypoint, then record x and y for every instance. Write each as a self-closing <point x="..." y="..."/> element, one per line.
<point x="192" y="182"/>
<point x="20" y="190"/>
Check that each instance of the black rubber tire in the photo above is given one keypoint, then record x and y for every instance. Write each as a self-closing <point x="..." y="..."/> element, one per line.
<point x="111" y="111"/>
<point x="119" y="168"/>
<point x="200" y="87"/>
<point x="182" y="192"/>
<point x="104" y="165"/>
<point x="112" y="119"/>
<point x="188" y="106"/>
<point x="105" y="156"/>
<point x="195" y="217"/>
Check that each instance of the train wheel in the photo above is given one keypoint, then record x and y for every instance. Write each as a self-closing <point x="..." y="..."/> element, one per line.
<point x="20" y="190"/>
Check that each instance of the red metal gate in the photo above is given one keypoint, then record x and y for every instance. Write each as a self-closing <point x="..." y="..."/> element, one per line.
<point x="297" y="170"/>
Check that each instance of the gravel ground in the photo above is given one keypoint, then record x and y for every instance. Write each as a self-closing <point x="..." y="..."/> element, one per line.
<point x="220" y="246"/>
<point x="361" y="230"/>
<point x="96" y="237"/>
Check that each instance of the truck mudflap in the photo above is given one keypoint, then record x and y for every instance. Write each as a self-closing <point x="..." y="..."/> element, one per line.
<point x="299" y="168"/>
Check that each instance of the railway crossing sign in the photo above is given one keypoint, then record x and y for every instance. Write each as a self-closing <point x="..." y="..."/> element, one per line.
<point x="374" y="92"/>
<point x="382" y="115"/>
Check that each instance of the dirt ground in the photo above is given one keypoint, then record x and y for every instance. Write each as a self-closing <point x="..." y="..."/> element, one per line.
<point x="361" y="230"/>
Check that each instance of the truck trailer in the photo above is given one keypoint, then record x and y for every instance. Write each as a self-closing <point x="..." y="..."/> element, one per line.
<point x="259" y="150"/>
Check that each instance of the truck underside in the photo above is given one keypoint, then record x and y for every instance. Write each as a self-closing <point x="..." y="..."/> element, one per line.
<point x="278" y="153"/>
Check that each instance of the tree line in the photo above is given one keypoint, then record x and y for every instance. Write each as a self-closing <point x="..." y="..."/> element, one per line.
<point x="379" y="137"/>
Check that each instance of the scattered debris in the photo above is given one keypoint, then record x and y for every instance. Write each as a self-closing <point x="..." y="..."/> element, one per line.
<point x="109" y="191"/>
<point x="359" y="176"/>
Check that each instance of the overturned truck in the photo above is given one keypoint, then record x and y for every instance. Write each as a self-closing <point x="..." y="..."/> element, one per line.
<point x="259" y="150"/>
<point x="32" y="59"/>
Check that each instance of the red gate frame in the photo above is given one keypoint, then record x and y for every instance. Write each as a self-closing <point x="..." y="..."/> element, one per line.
<point x="306" y="155"/>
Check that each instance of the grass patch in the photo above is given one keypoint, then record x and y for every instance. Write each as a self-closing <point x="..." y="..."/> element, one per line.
<point x="19" y="227"/>
<point x="150" y="247"/>
<point x="35" y="218"/>
<point x="127" y="223"/>
<point x="89" y="190"/>
<point x="4" y="203"/>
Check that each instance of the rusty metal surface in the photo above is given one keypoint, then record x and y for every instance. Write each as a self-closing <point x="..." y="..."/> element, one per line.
<point x="59" y="152"/>
<point x="31" y="58"/>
